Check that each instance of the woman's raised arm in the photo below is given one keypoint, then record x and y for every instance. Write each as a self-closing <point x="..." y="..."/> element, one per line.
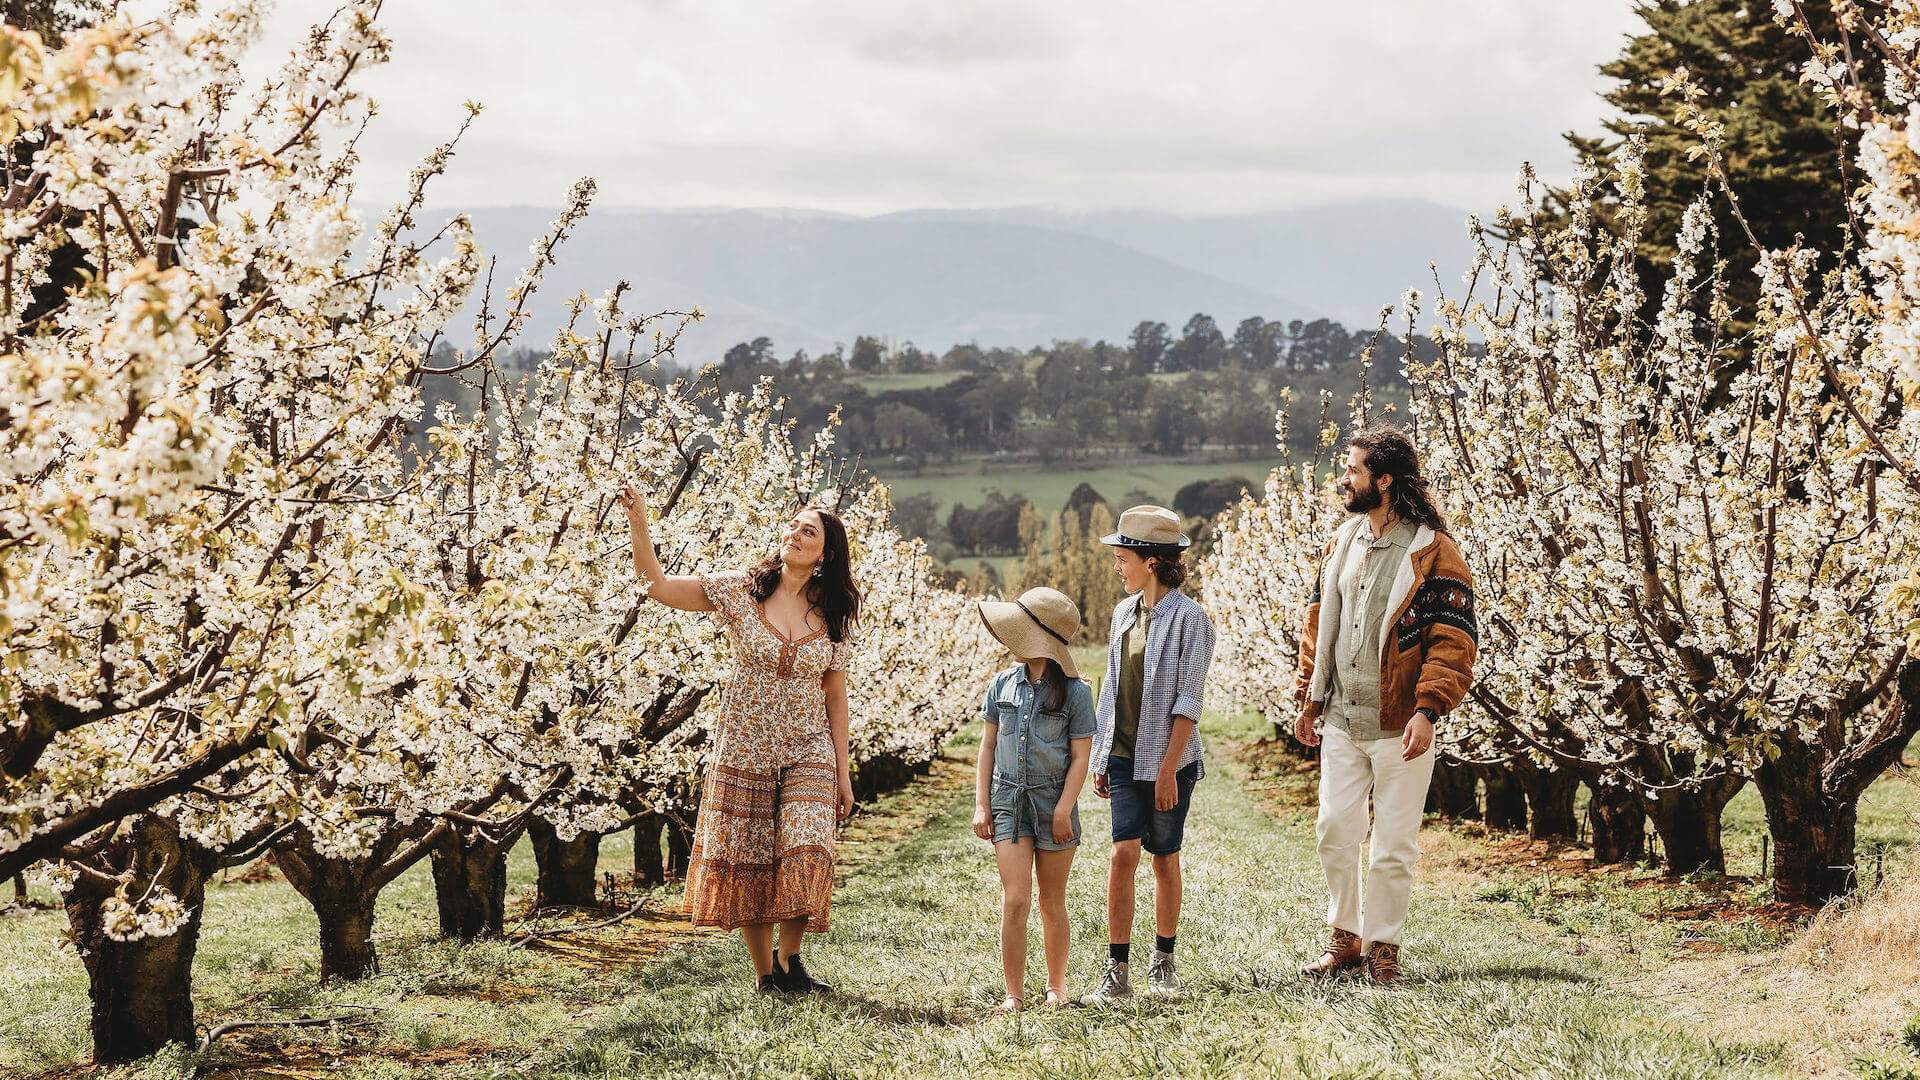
<point x="682" y="591"/>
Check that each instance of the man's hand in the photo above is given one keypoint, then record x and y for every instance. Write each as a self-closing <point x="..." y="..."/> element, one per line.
<point x="1063" y="824"/>
<point x="982" y="823"/>
<point x="1166" y="790"/>
<point x="1100" y="785"/>
<point x="1303" y="724"/>
<point x="1418" y="738"/>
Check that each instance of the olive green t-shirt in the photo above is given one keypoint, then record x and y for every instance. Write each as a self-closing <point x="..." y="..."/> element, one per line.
<point x="1133" y="682"/>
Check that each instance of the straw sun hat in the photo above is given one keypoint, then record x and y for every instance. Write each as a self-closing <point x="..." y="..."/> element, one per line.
<point x="1148" y="527"/>
<point x="1038" y="624"/>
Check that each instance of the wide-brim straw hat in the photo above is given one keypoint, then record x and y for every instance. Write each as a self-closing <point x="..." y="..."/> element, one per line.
<point x="1147" y="526"/>
<point x="1040" y="623"/>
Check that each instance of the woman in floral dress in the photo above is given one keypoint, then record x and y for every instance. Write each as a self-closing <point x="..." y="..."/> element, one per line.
<point x="777" y="783"/>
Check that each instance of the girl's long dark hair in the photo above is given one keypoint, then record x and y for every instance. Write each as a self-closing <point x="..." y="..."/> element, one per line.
<point x="1390" y="453"/>
<point x="1055" y="682"/>
<point x="831" y="591"/>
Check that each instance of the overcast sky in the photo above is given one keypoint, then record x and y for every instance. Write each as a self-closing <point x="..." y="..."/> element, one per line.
<point x="880" y="105"/>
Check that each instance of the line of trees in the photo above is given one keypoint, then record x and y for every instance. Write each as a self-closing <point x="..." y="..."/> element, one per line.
<point x="1154" y="394"/>
<point x="260" y="604"/>
<point x="1693" y="533"/>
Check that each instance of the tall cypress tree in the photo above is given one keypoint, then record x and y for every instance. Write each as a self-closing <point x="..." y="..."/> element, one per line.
<point x="1788" y="160"/>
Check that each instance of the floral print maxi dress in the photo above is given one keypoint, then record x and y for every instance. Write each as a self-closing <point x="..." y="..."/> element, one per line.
<point x="763" y="843"/>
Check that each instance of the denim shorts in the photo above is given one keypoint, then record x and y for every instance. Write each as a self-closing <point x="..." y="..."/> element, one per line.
<point x="1018" y="814"/>
<point x="1134" y="817"/>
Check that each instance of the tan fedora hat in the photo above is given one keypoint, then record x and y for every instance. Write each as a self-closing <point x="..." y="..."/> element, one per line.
<point x="1040" y="623"/>
<point x="1147" y="526"/>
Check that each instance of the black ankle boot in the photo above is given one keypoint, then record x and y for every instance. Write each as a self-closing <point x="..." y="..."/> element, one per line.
<point x="794" y="978"/>
<point x="772" y="984"/>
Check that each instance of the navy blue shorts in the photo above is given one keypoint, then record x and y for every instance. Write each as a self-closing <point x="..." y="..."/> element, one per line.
<point x="1134" y="818"/>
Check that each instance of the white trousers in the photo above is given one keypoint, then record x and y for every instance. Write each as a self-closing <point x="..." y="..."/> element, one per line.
<point x="1349" y="772"/>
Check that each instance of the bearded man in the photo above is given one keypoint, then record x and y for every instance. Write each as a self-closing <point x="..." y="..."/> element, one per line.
<point x="1387" y="653"/>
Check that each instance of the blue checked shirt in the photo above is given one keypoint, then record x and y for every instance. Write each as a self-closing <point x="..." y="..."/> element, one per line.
<point x="1179" y="647"/>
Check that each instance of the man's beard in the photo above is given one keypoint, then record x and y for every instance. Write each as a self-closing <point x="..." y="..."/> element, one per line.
<point x="1360" y="502"/>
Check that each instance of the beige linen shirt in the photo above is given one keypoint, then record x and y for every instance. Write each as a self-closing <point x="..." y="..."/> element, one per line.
<point x="1364" y="581"/>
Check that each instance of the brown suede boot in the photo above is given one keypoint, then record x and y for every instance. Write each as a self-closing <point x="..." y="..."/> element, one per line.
<point x="1342" y="953"/>
<point x="1383" y="963"/>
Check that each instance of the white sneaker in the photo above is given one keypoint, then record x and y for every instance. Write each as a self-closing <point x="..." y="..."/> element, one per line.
<point x="1114" y="986"/>
<point x="1160" y="976"/>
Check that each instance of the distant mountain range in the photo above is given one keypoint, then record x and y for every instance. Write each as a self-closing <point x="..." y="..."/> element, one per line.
<point x="1017" y="276"/>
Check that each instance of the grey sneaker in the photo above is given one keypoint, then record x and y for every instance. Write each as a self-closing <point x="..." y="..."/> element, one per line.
<point x="1160" y="976"/>
<point x="1114" y="986"/>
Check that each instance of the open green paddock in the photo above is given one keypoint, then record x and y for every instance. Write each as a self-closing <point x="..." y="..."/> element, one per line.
<point x="1048" y="488"/>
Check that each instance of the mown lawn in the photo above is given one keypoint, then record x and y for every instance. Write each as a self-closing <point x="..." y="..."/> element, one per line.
<point x="880" y="384"/>
<point x="1048" y="489"/>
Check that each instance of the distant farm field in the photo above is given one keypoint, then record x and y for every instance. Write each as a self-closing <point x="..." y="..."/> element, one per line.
<point x="880" y="384"/>
<point x="1048" y="489"/>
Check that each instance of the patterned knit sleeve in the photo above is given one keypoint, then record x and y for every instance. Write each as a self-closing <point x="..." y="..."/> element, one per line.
<point x="727" y="592"/>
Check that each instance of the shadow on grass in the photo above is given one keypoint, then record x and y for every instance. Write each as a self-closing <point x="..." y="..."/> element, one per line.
<point x="1511" y="973"/>
<point x="890" y="1012"/>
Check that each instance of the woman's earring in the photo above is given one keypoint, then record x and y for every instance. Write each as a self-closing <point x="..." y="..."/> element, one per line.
<point x="817" y="566"/>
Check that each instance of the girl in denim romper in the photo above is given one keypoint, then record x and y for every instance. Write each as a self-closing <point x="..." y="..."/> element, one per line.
<point x="1034" y="752"/>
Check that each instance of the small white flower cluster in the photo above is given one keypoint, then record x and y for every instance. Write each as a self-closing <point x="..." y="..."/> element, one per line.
<point x="156" y="915"/>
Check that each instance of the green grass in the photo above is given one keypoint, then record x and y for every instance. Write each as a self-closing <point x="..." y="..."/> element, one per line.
<point x="880" y="384"/>
<point x="915" y="964"/>
<point x="1048" y="489"/>
<point x="914" y="961"/>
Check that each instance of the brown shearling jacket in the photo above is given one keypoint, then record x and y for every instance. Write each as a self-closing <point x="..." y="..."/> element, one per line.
<point x="1428" y="640"/>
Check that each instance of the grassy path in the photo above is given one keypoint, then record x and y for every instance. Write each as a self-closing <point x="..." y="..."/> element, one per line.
<point x="913" y="956"/>
<point x="1490" y="993"/>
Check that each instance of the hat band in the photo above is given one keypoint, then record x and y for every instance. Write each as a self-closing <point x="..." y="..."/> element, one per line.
<point x="1036" y="621"/>
<point x="1123" y="540"/>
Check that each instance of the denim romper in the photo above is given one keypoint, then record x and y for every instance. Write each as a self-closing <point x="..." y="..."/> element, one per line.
<point x="1031" y="754"/>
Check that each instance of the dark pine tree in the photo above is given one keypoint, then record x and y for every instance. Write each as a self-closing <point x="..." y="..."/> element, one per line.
<point x="1787" y="159"/>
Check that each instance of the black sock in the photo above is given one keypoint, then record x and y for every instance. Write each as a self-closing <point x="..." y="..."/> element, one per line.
<point x="1118" y="951"/>
<point x="1162" y="944"/>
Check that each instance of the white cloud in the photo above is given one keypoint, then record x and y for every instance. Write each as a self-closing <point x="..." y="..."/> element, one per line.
<point x="887" y="104"/>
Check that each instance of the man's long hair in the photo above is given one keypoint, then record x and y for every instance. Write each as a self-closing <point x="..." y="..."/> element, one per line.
<point x="1390" y="453"/>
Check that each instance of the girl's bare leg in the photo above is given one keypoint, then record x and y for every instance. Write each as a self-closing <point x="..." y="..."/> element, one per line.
<point x="1057" y="933"/>
<point x="1015" y="860"/>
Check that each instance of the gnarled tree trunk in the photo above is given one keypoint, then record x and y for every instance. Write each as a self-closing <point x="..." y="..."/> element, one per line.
<point x="567" y="868"/>
<point x="1455" y="791"/>
<point x="1617" y="822"/>
<point x="1687" y="818"/>
<point x="470" y="884"/>
<point x="1812" y="788"/>
<point x="1506" y="798"/>
<point x="679" y="848"/>
<point x="877" y="776"/>
<point x="142" y="990"/>
<point x="1550" y="795"/>
<point x="343" y="893"/>
<point x="649" y="865"/>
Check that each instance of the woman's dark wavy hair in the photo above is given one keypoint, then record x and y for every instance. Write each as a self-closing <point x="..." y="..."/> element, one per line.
<point x="1388" y="452"/>
<point x="831" y="591"/>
